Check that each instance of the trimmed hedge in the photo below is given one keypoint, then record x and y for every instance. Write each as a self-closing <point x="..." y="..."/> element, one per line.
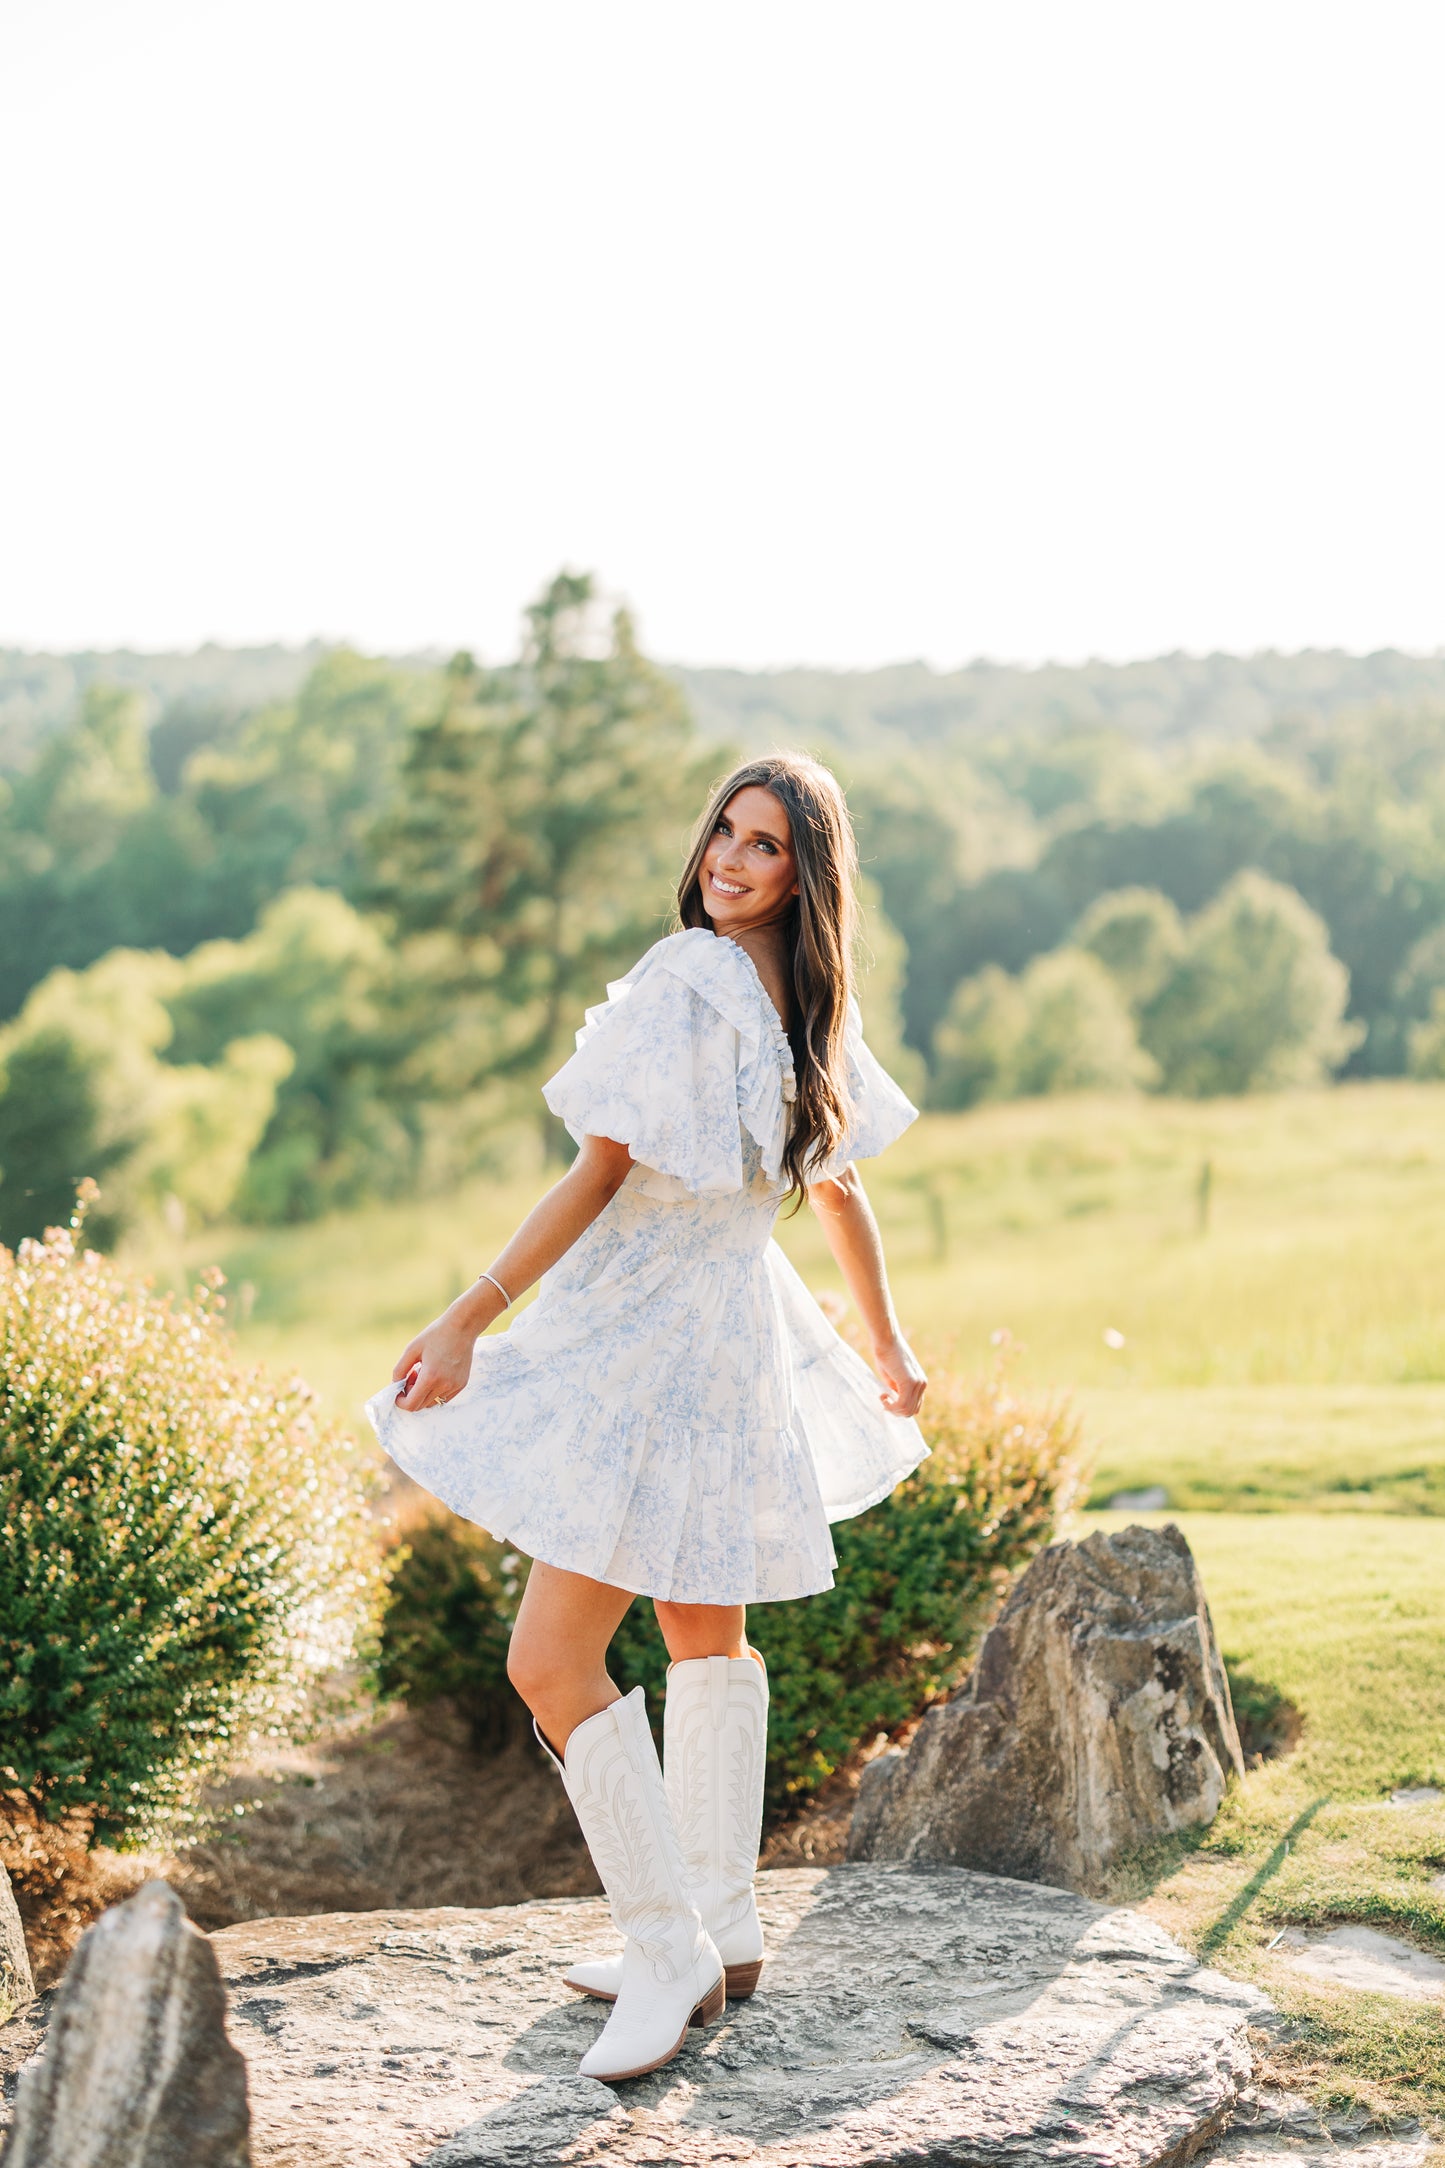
<point x="185" y="1546"/>
<point x="916" y="1576"/>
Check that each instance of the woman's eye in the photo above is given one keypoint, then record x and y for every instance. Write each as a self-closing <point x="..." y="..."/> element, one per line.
<point x="765" y="845"/>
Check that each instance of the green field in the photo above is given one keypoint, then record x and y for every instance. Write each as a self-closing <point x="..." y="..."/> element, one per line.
<point x="1281" y="1374"/>
<point x="1290" y="1353"/>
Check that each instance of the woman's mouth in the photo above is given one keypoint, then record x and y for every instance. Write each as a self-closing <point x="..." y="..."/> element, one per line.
<point x="725" y="888"/>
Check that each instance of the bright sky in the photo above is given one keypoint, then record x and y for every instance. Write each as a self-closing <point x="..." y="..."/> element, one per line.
<point x="823" y="332"/>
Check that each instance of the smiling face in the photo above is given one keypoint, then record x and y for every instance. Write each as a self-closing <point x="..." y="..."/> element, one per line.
<point x="748" y="877"/>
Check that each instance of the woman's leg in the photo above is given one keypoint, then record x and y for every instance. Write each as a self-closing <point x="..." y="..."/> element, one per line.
<point x="703" y="1629"/>
<point x="669" y="1976"/>
<point x="558" y="1656"/>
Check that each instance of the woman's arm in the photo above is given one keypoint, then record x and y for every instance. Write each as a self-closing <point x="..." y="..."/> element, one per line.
<point x="847" y="1218"/>
<point x="441" y="1356"/>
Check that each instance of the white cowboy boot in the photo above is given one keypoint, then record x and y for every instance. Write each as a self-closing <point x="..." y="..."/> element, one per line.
<point x="670" y="1976"/>
<point x="714" y="1733"/>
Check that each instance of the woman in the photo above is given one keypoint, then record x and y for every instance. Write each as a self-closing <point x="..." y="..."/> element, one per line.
<point x="674" y="1417"/>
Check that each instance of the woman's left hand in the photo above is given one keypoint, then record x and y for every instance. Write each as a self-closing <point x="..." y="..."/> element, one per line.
<point x="902" y="1373"/>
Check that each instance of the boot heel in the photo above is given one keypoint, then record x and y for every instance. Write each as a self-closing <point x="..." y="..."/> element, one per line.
<point x="741" y="1980"/>
<point x="713" y="2003"/>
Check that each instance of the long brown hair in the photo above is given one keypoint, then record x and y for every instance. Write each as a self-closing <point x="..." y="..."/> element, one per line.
<point x="818" y="934"/>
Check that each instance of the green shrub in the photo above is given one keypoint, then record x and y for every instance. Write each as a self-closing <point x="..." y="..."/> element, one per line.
<point x="915" y="1576"/>
<point x="452" y="1598"/>
<point x="185" y="1547"/>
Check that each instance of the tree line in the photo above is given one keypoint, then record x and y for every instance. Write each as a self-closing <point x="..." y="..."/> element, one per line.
<point x="275" y="959"/>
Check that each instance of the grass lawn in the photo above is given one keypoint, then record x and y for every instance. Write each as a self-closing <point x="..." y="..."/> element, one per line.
<point x="1266" y="1341"/>
<point x="1272" y="1448"/>
<point x="1345" y="1615"/>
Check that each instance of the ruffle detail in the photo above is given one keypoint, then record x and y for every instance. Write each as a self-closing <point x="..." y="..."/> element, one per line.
<point x="860" y="1452"/>
<point x="686" y="1046"/>
<point x="724" y="974"/>
<point x="880" y="1111"/>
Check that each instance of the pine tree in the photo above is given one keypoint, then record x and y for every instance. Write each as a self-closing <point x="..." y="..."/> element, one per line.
<point x="538" y="827"/>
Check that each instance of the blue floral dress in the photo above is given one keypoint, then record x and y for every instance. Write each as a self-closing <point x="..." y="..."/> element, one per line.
<point x="674" y="1414"/>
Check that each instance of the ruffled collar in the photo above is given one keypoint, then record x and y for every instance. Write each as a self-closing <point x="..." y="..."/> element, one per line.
<point x="773" y="1023"/>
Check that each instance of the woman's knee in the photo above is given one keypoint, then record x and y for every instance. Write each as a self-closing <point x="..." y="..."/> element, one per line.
<point x="528" y="1668"/>
<point x="702" y="1629"/>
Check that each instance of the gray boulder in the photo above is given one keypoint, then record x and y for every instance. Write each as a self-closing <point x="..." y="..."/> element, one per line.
<point x="16" y="1985"/>
<point x="1096" y="1722"/>
<point x="137" y="2070"/>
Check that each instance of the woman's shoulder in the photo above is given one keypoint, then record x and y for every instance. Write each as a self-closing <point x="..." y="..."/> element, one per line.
<point x="719" y="972"/>
<point x="693" y="949"/>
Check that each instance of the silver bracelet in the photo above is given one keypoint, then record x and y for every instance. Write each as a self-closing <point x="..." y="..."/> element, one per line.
<point x="506" y="1298"/>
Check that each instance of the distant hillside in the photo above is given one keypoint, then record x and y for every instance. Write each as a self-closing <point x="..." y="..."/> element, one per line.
<point x="40" y="692"/>
<point x="1169" y="700"/>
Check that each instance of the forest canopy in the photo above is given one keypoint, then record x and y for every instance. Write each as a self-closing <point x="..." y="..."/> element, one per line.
<point x="286" y="930"/>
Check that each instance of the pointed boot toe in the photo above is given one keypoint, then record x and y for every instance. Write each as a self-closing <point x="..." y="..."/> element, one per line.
<point x="651" y="2018"/>
<point x="599" y="1976"/>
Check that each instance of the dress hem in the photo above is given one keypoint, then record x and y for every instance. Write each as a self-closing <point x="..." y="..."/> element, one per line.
<point x="516" y="1535"/>
<point x="876" y="1497"/>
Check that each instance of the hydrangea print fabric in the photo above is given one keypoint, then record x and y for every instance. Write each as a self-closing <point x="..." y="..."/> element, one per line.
<point x="674" y="1414"/>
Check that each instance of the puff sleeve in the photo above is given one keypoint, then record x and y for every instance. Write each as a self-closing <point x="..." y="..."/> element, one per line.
<point x="880" y="1111"/>
<point x="675" y="1063"/>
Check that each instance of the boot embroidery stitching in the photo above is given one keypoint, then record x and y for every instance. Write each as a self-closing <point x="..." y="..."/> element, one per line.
<point x="622" y="1843"/>
<point x="689" y="1801"/>
<point x="743" y="1824"/>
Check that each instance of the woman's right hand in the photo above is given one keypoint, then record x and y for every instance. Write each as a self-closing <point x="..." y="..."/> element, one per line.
<point x="438" y="1362"/>
<point x="434" y="1367"/>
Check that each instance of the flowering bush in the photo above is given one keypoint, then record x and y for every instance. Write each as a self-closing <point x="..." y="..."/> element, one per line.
<point x="185" y="1547"/>
<point x="917" y="1574"/>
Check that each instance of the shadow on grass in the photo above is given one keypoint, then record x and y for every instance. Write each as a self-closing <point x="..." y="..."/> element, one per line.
<point x="1219" y="1932"/>
<point x="1269" y="1724"/>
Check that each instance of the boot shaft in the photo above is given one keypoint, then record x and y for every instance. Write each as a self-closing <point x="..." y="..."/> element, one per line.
<point x="613" y="1780"/>
<point x="715" y="1731"/>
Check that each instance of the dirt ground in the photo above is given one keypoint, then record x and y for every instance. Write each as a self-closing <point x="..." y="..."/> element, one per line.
<point x="398" y="1813"/>
<point x="402" y="1812"/>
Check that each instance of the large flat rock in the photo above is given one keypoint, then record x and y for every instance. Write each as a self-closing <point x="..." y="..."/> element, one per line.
<point x="920" y="2015"/>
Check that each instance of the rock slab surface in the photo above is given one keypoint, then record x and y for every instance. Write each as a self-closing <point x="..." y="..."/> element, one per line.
<point x="137" y="2071"/>
<point x="16" y="1985"/>
<point x="925" y="2016"/>
<point x="1097" y="1721"/>
<point x="1363" y="1958"/>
